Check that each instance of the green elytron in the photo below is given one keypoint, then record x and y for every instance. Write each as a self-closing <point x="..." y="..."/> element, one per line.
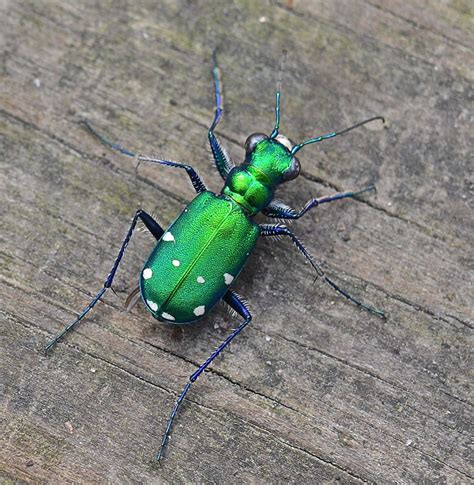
<point x="197" y="258"/>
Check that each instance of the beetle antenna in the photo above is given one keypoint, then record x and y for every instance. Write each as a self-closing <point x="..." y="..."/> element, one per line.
<point x="278" y="91"/>
<point x="277" y="116"/>
<point x="296" y="148"/>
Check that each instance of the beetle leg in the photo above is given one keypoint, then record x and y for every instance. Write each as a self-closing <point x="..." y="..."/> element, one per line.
<point x="198" y="184"/>
<point x="154" y="228"/>
<point x="151" y="224"/>
<point x="281" y="230"/>
<point x="237" y="304"/>
<point x="280" y="210"/>
<point x="221" y="159"/>
<point x="157" y="231"/>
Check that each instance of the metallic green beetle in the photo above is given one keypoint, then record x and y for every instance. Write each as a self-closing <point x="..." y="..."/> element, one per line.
<point x="202" y="252"/>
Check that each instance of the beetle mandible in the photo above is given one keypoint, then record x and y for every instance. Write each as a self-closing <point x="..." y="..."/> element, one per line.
<point x="202" y="252"/>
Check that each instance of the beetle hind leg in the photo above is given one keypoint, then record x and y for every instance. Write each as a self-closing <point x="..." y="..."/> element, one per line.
<point x="237" y="304"/>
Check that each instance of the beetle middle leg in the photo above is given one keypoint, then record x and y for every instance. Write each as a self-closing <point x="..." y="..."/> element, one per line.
<point x="281" y="230"/>
<point x="154" y="228"/>
<point x="198" y="184"/>
<point x="237" y="304"/>
<point x="280" y="210"/>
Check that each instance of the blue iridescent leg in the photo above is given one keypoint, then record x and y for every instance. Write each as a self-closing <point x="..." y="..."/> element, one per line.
<point x="151" y="224"/>
<point x="236" y="303"/>
<point x="280" y="230"/>
<point x="280" y="210"/>
<point x="154" y="228"/>
<point x="221" y="159"/>
<point x="198" y="184"/>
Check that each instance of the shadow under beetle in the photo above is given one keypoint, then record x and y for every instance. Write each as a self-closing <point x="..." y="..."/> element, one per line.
<point x="203" y="251"/>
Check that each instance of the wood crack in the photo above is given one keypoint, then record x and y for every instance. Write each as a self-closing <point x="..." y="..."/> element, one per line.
<point x="369" y="373"/>
<point x="374" y="42"/>
<point x="418" y="26"/>
<point x="345" y="362"/>
<point x="423" y="229"/>
<point x="29" y="325"/>
<point x="104" y="161"/>
<point x="152" y="384"/>
<point x="224" y="376"/>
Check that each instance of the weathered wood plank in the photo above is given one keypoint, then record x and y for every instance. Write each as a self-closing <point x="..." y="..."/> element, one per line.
<point x="315" y="390"/>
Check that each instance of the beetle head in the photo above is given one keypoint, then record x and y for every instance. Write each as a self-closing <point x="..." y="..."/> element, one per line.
<point x="272" y="157"/>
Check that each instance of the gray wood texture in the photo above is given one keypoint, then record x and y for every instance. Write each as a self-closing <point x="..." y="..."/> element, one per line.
<point x="315" y="390"/>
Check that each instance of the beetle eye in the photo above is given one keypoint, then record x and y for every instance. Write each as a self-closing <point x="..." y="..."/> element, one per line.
<point x="252" y="141"/>
<point x="293" y="171"/>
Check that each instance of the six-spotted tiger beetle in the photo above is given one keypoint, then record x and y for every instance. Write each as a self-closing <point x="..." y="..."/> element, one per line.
<point x="197" y="258"/>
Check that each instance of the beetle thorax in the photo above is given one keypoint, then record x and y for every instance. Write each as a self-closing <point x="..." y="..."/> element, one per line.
<point x="268" y="163"/>
<point x="249" y="187"/>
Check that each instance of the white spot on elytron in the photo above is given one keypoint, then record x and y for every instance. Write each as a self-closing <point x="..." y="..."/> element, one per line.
<point x="152" y="305"/>
<point x="147" y="273"/>
<point x="228" y="278"/>
<point x="176" y="262"/>
<point x="200" y="279"/>
<point x="167" y="316"/>
<point x="199" y="310"/>
<point x="168" y="236"/>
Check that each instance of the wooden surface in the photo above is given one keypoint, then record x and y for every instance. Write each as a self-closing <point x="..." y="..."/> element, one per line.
<point x="314" y="390"/>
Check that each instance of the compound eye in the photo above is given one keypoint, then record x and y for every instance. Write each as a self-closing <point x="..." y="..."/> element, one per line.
<point x="292" y="172"/>
<point x="252" y="141"/>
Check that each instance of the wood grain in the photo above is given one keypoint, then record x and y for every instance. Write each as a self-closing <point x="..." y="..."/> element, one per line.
<point x="315" y="390"/>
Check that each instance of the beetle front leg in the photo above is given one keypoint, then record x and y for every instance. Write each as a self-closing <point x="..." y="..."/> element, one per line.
<point x="221" y="159"/>
<point x="280" y="210"/>
<point x="198" y="184"/>
<point x="154" y="228"/>
<point x="236" y="303"/>
<point x="280" y="230"/>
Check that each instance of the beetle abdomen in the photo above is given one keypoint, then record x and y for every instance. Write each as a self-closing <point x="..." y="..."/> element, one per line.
<point x="197" y="258"/>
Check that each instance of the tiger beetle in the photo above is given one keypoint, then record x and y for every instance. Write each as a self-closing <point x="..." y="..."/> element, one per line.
<point x="198" y="257"/>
